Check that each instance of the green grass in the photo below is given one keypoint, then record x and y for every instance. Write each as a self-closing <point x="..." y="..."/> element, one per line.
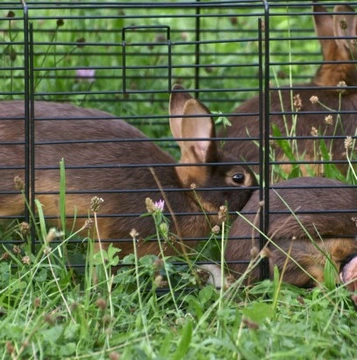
<point x="49" y="312"/>
<point x="153" y="309"/>
<point x="156" y="308"/>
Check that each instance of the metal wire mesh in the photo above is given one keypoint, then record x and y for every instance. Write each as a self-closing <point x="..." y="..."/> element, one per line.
<point x="124" y="57"/>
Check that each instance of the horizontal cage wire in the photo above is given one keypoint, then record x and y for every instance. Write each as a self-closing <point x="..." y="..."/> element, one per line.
<point x="195" y="105"/>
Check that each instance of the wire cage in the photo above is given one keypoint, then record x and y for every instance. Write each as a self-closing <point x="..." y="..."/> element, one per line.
<point x="123" y="58"/>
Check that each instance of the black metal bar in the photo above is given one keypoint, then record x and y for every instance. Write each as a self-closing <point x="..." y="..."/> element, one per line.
<point x="32" y="135"/>
<point x="169" y="49"/>
<point x="123" y="61"/>
<point x="27" y="115"/>
<point x="197" y="49"/>
<point x="266" y="162"/>
<point x="261" y="136"/>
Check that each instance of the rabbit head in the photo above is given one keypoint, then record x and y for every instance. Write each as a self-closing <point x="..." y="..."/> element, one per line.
<point x="337" y="34"/>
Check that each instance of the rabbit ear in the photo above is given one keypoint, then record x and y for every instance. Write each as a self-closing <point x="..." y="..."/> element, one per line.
<point x="324" y="28"/>
<point x="197" y="123"/>
<point x="178" y="100"/>
<point x="197" y="127"/>
<point x="344" y="25"/>
<point x="192" y="121"/>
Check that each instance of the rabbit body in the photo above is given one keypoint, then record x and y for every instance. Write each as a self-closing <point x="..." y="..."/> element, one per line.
<point x="300" y="210"/>
<point x="101" y="160"/>
<point x="297" y="108"/>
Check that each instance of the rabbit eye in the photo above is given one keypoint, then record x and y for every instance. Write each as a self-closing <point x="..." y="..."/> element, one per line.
<point x="238" y="178"/>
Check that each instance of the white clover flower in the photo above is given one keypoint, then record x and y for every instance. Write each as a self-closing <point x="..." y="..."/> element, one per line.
<point x="85" y="74"/>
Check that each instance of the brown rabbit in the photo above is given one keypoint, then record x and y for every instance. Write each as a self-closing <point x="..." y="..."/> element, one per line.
<point x="322" y="208"/>
<point x="107" y="157"/>
<point x="340" y="51"/>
